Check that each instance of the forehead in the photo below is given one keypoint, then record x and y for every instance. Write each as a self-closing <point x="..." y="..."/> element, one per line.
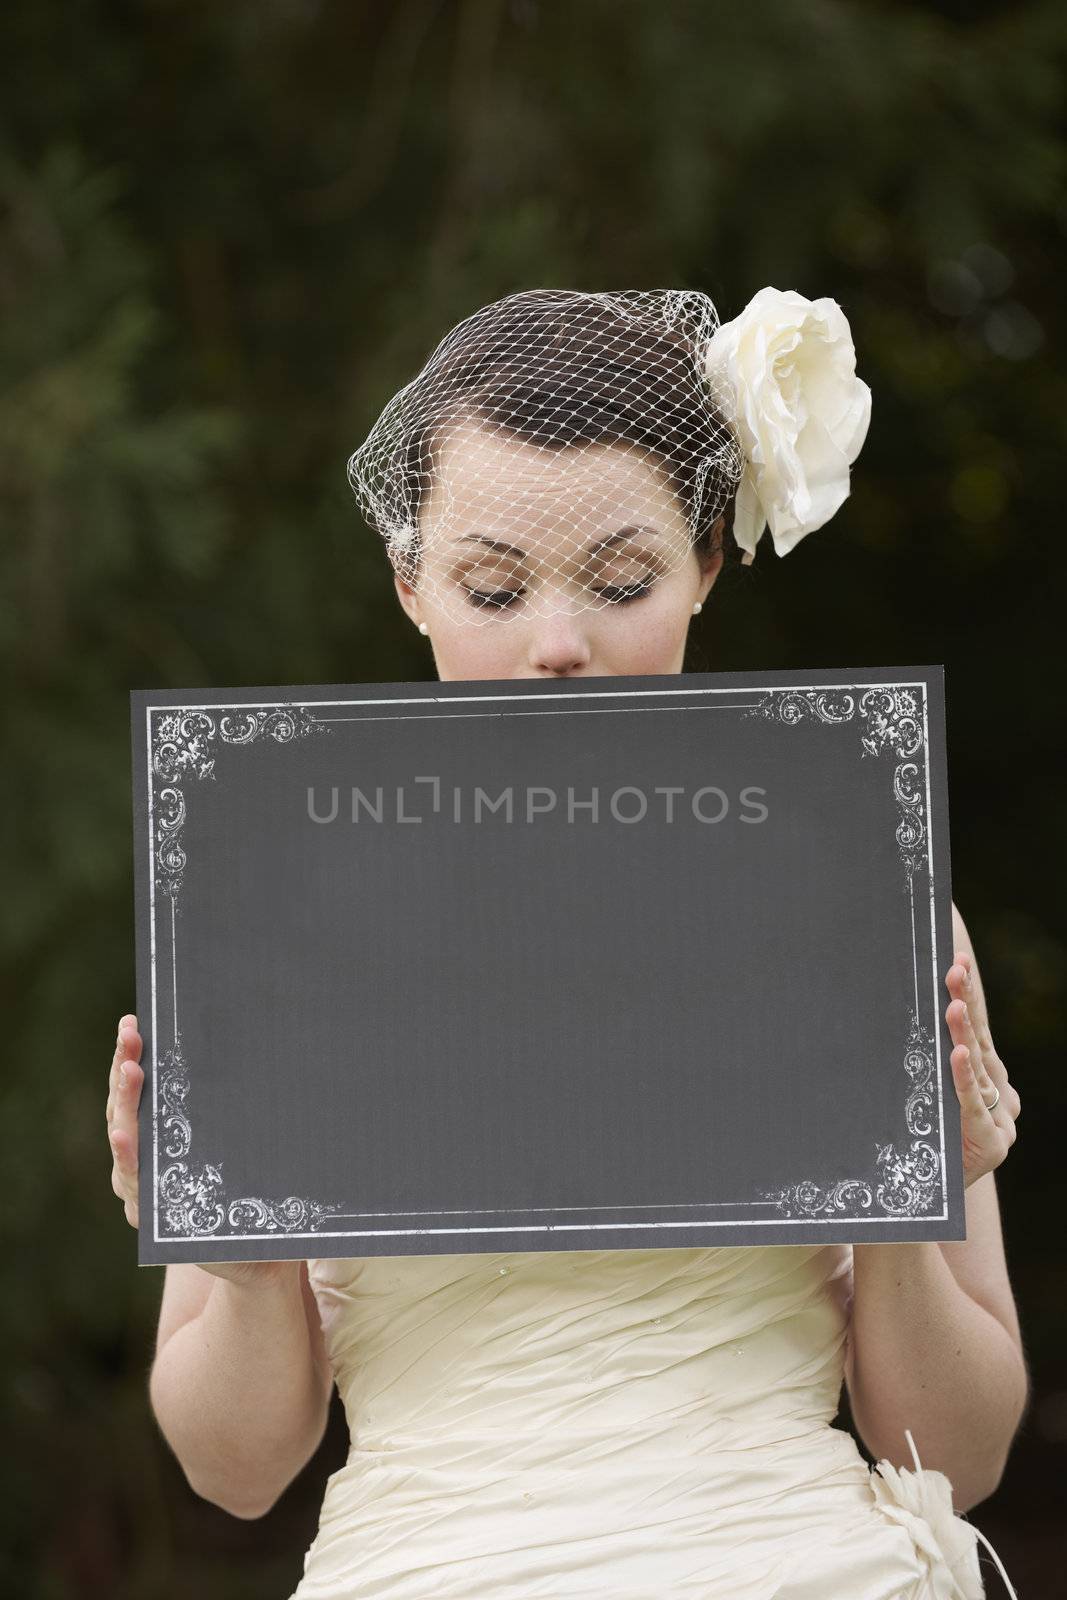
<point x="481" y="470"/>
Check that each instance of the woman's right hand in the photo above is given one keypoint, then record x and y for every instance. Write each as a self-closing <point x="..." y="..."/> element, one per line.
<point x="124" y="1096"/>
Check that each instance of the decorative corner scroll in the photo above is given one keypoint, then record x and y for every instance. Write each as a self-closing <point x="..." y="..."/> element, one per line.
<point x="192" y="1199"/>
<point x="910" y="1181"/>
<point x="893" y="722"/>
<point x="183" y="746"/>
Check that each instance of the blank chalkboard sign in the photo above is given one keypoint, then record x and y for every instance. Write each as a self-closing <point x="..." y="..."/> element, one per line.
<point x="590" y="963"/>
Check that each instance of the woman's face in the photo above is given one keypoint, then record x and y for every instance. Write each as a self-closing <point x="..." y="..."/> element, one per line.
<point x="557" y="610"/>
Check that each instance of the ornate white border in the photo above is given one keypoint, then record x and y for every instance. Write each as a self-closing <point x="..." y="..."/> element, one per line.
<point x="190" y="1201"/>
<point x="911" y="1180"/>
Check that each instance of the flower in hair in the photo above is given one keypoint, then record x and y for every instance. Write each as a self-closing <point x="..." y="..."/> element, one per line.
<point x="785" y="372"/>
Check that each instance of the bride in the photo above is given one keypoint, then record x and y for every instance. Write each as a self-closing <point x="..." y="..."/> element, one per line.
<point x="558" y="491"/>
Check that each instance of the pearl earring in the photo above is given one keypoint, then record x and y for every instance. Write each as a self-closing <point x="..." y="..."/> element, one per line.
<point x="697" y="607"/>
<point x="423" y="628"/>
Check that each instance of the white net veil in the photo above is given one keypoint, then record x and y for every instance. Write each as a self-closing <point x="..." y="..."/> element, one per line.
<point x="559" y="450"/>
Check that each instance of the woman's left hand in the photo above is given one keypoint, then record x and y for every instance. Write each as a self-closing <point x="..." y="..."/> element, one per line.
<point x="978" y="1073"/>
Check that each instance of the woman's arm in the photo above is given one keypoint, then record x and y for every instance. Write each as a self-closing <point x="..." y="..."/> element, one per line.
<point x="923" y="1355"/>
<point x="241" y="1389"/>
<point x="934" y="1340"/>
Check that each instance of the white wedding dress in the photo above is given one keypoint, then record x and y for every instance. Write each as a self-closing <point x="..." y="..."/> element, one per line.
<point x="626" y="1424"/>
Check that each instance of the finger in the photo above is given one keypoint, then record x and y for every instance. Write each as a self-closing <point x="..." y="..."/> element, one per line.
<point x="959" y="1024"/>
<point x="120" y="1150"/>
<point x="978" y="1060"/>
<point x="985" y="1143"/>
<point x="128" y="1046"/>
<point x="996" y="1078"/>
<point x="128" y="1098"/>
<point x="978" y="1125"/>
<point x="124" y="1165"/>
<point x="118" y="1156"/>
<point x="957" y="976"/>
<point x="970" y="1028"/>
<point x="1006" y="1110"/>
<point x="973" y="993"/>
<point x="989" y="1071"/>
<point x="961" y="985"/>
<point x="117" y="1055"/>
<point x="962" y="1029"/>
<point x="961" y="1007"/>
<point x="127" y="1026"/>
<point x="124" y="1125"/>
<point x="129" y="1043"/>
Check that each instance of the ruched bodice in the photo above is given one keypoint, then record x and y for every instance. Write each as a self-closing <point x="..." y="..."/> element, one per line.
<point x="618" y="1423"/>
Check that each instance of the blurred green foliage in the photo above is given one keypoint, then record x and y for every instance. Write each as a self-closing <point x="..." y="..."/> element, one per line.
<point x="228" y="233"/>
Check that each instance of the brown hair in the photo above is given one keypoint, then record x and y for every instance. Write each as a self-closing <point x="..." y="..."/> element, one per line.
<point x="561" y="369"/>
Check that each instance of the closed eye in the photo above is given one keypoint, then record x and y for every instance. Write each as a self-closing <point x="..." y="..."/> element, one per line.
<point x="500" y="598"/>
<point x="614" y="594"/>
<point x="619" y="594"/>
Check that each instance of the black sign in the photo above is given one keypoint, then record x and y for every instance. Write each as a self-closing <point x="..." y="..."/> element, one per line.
<point x="592" y="963"/>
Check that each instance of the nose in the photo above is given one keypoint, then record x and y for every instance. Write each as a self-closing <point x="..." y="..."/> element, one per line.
<point x="559" y="645"/>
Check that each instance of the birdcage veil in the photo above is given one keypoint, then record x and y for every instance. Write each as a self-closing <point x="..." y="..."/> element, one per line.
<point x="510" y="473"/>
<point x="550" y="370"/>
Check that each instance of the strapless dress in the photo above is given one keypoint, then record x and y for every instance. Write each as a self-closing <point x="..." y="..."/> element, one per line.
<point x="626" y="1424"/>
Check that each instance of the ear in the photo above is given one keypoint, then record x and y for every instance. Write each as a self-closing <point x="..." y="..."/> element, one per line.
<point x="407" y="597"/>
<point x="710" y="567"/>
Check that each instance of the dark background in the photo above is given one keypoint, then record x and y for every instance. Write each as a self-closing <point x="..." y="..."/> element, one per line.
<point x="227" y="234"/>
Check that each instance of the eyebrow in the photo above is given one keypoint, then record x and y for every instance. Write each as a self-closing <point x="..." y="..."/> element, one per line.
<point x="605" y="543"/>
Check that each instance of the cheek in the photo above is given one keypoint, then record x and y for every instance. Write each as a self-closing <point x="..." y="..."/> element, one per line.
<point x="641" y="640"/>
<point x="642" y="653"/>
<point x="649" y="636"/>
<point x="477" y="651"/>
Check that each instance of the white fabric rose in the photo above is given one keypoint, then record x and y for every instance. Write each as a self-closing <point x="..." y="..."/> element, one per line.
<point x="785" y="372"/>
